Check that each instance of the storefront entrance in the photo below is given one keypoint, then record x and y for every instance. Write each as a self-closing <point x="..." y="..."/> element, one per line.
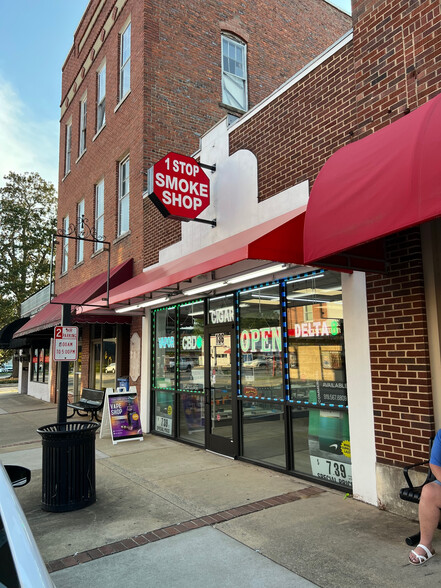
<point x="221" y="399"/>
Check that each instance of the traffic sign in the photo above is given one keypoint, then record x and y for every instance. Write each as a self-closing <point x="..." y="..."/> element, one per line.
<point x="179" y="187"/>
<point x="65" y="343"/>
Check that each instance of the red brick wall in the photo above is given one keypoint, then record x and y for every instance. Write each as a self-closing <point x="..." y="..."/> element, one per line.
<point x="402" y="393"/>
<point x="121" y="135"/>
<point x="295" y="134"/>
<point x="175" y="97"/>
<point x="183" y="72"/>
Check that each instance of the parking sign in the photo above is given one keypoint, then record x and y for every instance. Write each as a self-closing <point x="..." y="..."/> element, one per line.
<point x="65" y="343"/>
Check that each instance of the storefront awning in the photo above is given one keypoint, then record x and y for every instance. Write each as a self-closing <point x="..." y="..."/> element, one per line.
<point x="382" y="184"/>
<point x="279" y="240"/>
<point x="50" y="315"/>
<point x="7" y="332"/>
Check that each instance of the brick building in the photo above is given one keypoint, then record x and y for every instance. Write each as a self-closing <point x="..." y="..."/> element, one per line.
<point x="351" y="138"/>
<point x="302" y="332"/>
<point x="141" y="79"/>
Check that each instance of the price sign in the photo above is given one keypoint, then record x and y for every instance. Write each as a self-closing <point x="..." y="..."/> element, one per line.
<point x="65" y="343"/>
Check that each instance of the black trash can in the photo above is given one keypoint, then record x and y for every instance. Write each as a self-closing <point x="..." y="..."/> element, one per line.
<point x="68" y="465"/>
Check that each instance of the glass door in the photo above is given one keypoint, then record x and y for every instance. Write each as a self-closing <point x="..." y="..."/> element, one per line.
<point x="221" y="398"/>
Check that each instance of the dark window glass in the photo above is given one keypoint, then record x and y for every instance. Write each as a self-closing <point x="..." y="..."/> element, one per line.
<point x="264" y="432"/>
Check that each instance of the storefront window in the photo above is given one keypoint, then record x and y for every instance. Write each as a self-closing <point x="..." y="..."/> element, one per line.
<point x="192" y="417"/>
<point x="104" y="357"/>
<point x="164" y="411"/>
<point x="321" y="444"/>
<point x="320" y="432"/>
<point x="261" y="343"/>
<point x="315" y="339"/>
<point x="191" y="347"/>
<point x="264" y="433"/>
<point x="40" y="365"/>
<point x="165" y="348"/>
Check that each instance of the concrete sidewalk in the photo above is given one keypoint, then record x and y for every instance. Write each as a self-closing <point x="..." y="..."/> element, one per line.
<point x="172" y="514"/>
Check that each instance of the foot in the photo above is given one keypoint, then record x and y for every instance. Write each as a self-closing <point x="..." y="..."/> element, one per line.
<point x="421" y="554"/>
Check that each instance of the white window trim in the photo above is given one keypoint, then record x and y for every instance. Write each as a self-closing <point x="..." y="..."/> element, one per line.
<point x="80" y="228"/>
<point x="236" y="41"/>
<point x="101" y="103"/>
<point x="127" y="62"/>
<point x="83" y="126"/>
<point x="122" y="196"/>
<point x="65" y="247"/>
<point x="98" y="233"/>
<point x="68" y="148"/>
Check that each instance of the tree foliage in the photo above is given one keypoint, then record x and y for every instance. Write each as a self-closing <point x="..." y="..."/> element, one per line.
<point x="27" y="221"/>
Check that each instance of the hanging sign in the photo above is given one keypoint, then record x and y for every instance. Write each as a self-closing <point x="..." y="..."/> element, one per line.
<point x="65" y="343"/>
<point x="125" y="422"/>
<point x="179" y="187"/>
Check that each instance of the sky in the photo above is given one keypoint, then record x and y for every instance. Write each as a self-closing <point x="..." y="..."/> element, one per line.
<point x="35" y="38"/>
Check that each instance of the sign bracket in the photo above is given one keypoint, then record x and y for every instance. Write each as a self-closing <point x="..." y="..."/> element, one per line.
<point x="206" y="166"/>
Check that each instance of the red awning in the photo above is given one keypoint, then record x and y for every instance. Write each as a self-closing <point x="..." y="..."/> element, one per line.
<point x="279" y="240"/>
<point x="50" y="315"/>
<point x="382" y="184"/>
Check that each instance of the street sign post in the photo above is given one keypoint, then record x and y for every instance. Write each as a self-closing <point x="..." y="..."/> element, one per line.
<point x="65" y="343"/>
<point x="179" y="187"/>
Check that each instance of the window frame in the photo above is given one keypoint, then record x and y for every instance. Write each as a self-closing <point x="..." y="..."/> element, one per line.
<point x="99" y="215"/>
<point x="228" y="38"/>
<point x="125" y="64"/>
<point x="83" y="126"/>
<point x="123" y="197"/>
<point x="40" y="369"/>
<point x="101" y="98"/>
<point x="65" y="246"/>
<point x="80" y="228"/>
<point x="68" y="148"/>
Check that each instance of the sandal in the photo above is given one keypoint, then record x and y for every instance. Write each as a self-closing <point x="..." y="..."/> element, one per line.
<point x="421" y="558"/>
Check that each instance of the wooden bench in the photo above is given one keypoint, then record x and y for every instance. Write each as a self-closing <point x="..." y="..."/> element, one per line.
<point x="91" y="401"/>
<point x="412" y="493"/>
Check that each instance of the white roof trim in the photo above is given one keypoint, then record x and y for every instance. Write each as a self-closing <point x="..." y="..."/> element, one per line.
<point x="347" y="38"/>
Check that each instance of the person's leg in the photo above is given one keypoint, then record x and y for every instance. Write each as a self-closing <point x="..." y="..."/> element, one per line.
<point x="428" y="514"/>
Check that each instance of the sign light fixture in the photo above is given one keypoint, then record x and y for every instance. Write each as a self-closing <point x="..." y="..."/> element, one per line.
<point x="152" y="302"/>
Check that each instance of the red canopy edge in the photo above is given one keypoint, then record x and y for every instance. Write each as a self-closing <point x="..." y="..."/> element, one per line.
<point x="50" y="315"/>
<point x="384" y="183"/>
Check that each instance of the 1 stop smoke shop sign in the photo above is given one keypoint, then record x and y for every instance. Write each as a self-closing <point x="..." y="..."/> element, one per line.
<point x="179" y="187"/>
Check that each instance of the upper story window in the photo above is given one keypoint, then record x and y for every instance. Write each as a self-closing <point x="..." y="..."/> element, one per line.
<point x="83" y="125"/>
<point x="68" y="148"/>
<point x="124" y="196"/>
<point x="101" y="98"/>
<point x="124" y="63"/>
<point x="234" y="73"/>
<point x="99" y="214"/>
<point x="80" y="226"/>
<point x="65" y="247"/>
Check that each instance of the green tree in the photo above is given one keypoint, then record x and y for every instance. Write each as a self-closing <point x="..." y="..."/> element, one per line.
<point x="27" y="221"/>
